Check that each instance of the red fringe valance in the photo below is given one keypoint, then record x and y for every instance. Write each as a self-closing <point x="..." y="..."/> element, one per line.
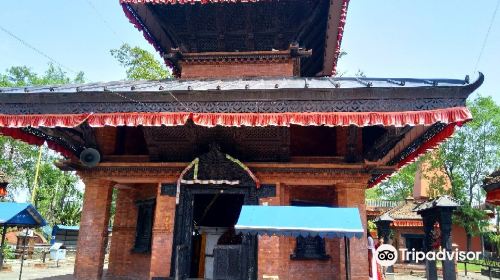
<point x="9" y="124"/>
<point x="427" y="146"/>
<point x="408" y="223"/>
<point x="493" y="197"/>
<point x="31" y="139"/>
<point x="450" y="115"/>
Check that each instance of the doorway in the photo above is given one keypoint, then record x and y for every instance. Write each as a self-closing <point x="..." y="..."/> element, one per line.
<point x="414" y="242"/>
<point x="205" y="243"/>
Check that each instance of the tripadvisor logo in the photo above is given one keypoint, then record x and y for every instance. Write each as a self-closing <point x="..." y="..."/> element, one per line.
<point x="387" y="255"/>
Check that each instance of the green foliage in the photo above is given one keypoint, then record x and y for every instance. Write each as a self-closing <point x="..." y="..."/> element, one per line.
<point x="58" y="196"/>
<point x="494" y="238"/>
<point x="400" y="185"/>
<point x="373" y="193"/>
<point x="464" y="161"/>
<point x="18" y="76"/>
<point x="140" y="64"/>
<point x="474" y="151"/>
<point x="8" y="252"/>
<point x="371" y="225"/>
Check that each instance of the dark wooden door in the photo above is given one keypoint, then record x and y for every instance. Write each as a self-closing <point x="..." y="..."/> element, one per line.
<point x="183" y="231"/>
<point x="227" y="262"/>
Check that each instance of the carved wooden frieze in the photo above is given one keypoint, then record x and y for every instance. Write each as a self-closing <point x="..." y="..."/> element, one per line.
<point x="184" y="143"/>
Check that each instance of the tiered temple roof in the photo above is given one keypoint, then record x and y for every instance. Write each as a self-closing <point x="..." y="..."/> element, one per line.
<point x="491" y="185"/>
<point x="399" y="118"/>
<point x="194" y="26"/>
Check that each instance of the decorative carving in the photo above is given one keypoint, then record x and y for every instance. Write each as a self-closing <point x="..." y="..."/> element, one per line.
<point x="262" y="106"/>
<point x="215" y="165"/>
<point x="310" y="248"/>
<point x="386" y="143"/>
<point x="144" y="226"/>
<point x="183" y="143"/>
<point x="266" y="191"/>
<point x="61" y="138"/>
<point x="428" y="134"/>
<point x="168" y="189"/>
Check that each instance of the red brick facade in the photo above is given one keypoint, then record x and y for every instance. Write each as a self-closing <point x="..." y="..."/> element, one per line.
<point x="163" y="232"/>
<point x="93" y="229"/>
<point x="344" y="189"/>
<point x="122" y="261"/>
<point x="229" y="69"/>
<point x="274" y="252"/>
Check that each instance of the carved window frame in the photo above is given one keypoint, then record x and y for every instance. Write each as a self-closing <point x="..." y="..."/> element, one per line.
<point x="302" y="243"/>
<point x="144" y="226"/>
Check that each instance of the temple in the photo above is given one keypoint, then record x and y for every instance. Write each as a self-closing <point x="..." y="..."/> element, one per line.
<point x="255" y="116"/>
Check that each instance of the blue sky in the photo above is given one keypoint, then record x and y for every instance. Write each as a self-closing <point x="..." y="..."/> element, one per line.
<point x="389" y="38"/>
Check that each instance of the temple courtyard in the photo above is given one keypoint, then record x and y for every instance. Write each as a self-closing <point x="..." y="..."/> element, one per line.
<point x="65" y="272"/>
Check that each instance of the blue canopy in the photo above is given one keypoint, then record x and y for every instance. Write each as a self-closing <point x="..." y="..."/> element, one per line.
<point x="64" y="227"/>
<point x="300" y="220"/>
<point x="20" y="214"/>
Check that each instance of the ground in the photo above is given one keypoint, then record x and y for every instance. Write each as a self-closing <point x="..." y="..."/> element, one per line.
<point x="65" y="272"/>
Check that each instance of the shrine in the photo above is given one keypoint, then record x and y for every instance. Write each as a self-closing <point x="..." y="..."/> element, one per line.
<point x="254" y="118"/>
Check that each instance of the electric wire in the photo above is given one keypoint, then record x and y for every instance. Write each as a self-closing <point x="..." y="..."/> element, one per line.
<point x="487" y="35"/>
<point x="26" y="44"/>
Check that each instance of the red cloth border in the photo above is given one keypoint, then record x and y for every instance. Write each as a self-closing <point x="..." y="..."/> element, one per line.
<point x="10" y="124"/>
<point x="493" y="197"/>
<point x="408" y="223"/>
<point x="340" y="34"/>
<point x="31" y="139"/>
<point x="429" y="117"/>
<point x="427" y="146"/>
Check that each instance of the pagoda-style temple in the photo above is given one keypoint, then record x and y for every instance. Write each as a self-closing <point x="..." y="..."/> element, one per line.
<point x="254" y="117"/>
<point x="491" y="185"/>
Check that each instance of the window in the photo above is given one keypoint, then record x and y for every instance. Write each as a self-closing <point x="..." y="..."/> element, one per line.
<point x="311" y="247"/>
<point x="144" y="227"/>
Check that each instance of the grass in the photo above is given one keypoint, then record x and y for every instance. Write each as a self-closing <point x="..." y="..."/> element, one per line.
<point x="461" y="267"/>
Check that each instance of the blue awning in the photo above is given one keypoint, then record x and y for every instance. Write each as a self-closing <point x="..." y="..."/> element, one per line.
<point x="300" y="220"/>
<point x="20" y="214"/>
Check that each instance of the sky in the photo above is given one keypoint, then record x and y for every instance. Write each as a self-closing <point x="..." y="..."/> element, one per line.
<point x="389" y="38"/>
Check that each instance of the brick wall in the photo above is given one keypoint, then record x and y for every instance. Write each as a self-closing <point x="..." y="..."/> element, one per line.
<point x="163" y="232"/>
<point x="93" y="229"/>
<point x="274" y="252"/>
<point x="458" y="236"/>
<point x="228" y="70"/>
<point x="122" y="261"/>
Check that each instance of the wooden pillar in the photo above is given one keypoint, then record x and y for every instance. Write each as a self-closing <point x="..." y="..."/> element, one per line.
<point x="93" y="229"/>
<point x="445" y="224"/>
<point x="4" y="232"/>
<point x="430" y="266"/>
<point x="353" y="195"/>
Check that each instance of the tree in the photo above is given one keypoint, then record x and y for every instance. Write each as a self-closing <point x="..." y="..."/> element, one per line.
<point x="140" y="64"/>
<point x="400" y="185"/>
<point x="462" y="161"/>
<point x="58" y="197"/>
<point x="468" y="157"/>
<point x="18" y="76"/>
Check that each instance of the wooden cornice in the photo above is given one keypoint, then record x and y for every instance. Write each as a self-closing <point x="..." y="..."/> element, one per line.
<point x="271" y="172"/>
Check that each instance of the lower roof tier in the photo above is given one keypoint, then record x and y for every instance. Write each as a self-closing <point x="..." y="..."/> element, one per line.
<point x="388" y="122"/>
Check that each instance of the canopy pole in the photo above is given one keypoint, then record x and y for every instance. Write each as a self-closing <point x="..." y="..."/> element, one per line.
<point x="22" y="254"/>
<point x="347" y="257"/>
<point x="4" y="232"/>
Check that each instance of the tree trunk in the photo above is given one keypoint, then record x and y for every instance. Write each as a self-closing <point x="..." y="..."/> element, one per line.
<point x="469" y="241"/>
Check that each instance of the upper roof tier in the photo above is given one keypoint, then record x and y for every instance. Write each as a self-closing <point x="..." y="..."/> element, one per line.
<point x="190" y="26"/>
